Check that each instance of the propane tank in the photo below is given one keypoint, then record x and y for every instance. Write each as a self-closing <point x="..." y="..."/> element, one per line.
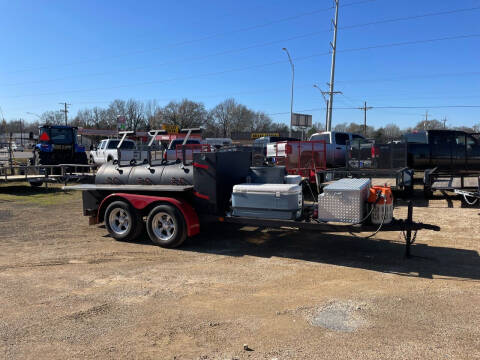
<point x="381" y="198"/>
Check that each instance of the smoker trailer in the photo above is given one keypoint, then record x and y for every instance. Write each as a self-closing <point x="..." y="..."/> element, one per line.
<point x="172" y="200"/>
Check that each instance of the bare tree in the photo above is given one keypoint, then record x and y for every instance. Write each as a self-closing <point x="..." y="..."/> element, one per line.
<point x="429" y="125"/>
<point x="223" y="116"/>
<point x="135" y="115"/>
<point x="185" y="114"/>
<point x="53" y="118"/>
<point x="392" y="132"/>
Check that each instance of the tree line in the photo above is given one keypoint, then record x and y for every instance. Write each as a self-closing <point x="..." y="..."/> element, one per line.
<point x="226" y="118"/>
<point x="221" y="121"/>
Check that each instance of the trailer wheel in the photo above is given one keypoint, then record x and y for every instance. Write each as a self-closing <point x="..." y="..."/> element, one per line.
<point x="123" y="222"/>
<point x="166" y="226"/>
<point x="36" y="183"/>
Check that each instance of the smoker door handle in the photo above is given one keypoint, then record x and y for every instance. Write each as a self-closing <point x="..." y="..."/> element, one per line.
<point x="339" y="148"/>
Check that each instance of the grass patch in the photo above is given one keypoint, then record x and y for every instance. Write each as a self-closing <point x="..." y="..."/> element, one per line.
<point x="22" y="192"/>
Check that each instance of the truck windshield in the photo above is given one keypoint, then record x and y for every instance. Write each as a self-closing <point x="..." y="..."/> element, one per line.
<point x="417" y="138"/>
<point x="175" y="143"/>
<point x="61" y="136"/>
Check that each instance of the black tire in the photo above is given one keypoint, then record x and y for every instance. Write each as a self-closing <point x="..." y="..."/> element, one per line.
<point x="109" y="159"/>
<point x="36" y="183"/>
<point x="116" y="227"/>
<point x="174" y="230"/>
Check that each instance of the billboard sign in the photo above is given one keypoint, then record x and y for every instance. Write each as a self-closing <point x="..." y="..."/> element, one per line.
<point x="259" y="135"/>
<point x="302" y="120"/>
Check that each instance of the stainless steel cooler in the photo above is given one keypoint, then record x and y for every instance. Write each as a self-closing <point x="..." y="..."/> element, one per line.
<point x="344" y="200"/>
<point x="267" y="201"/>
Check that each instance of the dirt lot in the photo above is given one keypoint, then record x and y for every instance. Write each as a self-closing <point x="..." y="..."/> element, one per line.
<point x="68" y="290"/>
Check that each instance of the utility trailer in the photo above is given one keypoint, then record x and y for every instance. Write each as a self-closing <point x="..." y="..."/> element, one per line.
<point x="174" y="200"/>
<point x="449" y="180"/>
<point x="38" y="175"/>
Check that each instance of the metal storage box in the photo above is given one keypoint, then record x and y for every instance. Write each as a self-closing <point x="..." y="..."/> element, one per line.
<point x="344" y="200"/>
<point x="267" y="201"/>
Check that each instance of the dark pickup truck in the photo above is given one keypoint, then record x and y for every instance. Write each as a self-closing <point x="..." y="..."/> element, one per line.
<point x="443" y="149"/>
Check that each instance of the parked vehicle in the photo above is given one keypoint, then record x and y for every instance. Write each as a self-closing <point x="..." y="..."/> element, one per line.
<point x="218" y="142"/>
<point x="58" y="145"/>
<point x="106" y="151"/>
<point x="336" y="145"/>
<point x="174" y="150"/>
<point x="443" y="149"/>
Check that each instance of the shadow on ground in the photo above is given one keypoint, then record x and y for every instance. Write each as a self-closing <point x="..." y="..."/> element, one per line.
<point x="27" y="190"/>
<point x="371" y="254"/>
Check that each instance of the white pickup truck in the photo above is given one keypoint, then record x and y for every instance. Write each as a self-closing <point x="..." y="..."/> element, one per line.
<point x="106" y="151"/>
<point x="336" y="145"/>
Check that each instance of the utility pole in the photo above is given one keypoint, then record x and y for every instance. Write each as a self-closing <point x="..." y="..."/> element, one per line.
<point x="444" y="123"/>
<point x="65" y="111"/>
<point x="426" y="120"/>
<point x="365" y="109"/>
<point x="332" y="72"/>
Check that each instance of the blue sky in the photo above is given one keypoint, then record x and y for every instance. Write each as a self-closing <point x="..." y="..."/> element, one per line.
<point x="91" y="52"/>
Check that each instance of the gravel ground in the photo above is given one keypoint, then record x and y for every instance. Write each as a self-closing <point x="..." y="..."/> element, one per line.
<point x="70" y="291"/>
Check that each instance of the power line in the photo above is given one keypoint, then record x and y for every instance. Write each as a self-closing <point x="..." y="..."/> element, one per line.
<point x="400" y="78"/>
<point x="187" y="42"/>
<point x="385" y="107"/>
<point x="405" y="18"/>
<point x="410" y="42"/>
<point x="244" y="68"/>
<point x="231" y="51"/>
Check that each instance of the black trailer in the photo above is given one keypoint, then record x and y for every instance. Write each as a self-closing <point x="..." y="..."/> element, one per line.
<point x="449" y="180"/>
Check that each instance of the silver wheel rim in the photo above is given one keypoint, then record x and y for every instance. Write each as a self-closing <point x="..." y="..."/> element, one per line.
<point x="163" y="226"/>
<point x="120" y="221"/>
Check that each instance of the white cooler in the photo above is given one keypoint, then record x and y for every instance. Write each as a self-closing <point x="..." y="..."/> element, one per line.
<point x="267" y="201"/>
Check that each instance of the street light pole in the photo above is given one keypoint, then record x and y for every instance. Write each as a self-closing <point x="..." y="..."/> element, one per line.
<point x="293" y="82"/>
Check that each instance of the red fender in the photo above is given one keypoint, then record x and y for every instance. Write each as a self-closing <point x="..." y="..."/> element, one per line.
<point x="140" y="202"/>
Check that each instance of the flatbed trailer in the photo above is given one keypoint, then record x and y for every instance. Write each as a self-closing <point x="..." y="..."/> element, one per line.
<point x="450" y="180"/>
<point x="37" y="175"/>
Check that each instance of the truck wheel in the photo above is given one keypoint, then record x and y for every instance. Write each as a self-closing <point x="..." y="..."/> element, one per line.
<point x="166" y="226"/>
<point x="123" y="222"/>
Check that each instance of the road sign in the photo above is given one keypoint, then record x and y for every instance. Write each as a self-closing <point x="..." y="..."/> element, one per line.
<point x="171" y="129"/>
<point x="302" y="120"/>
<point x="44" y="137"/>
